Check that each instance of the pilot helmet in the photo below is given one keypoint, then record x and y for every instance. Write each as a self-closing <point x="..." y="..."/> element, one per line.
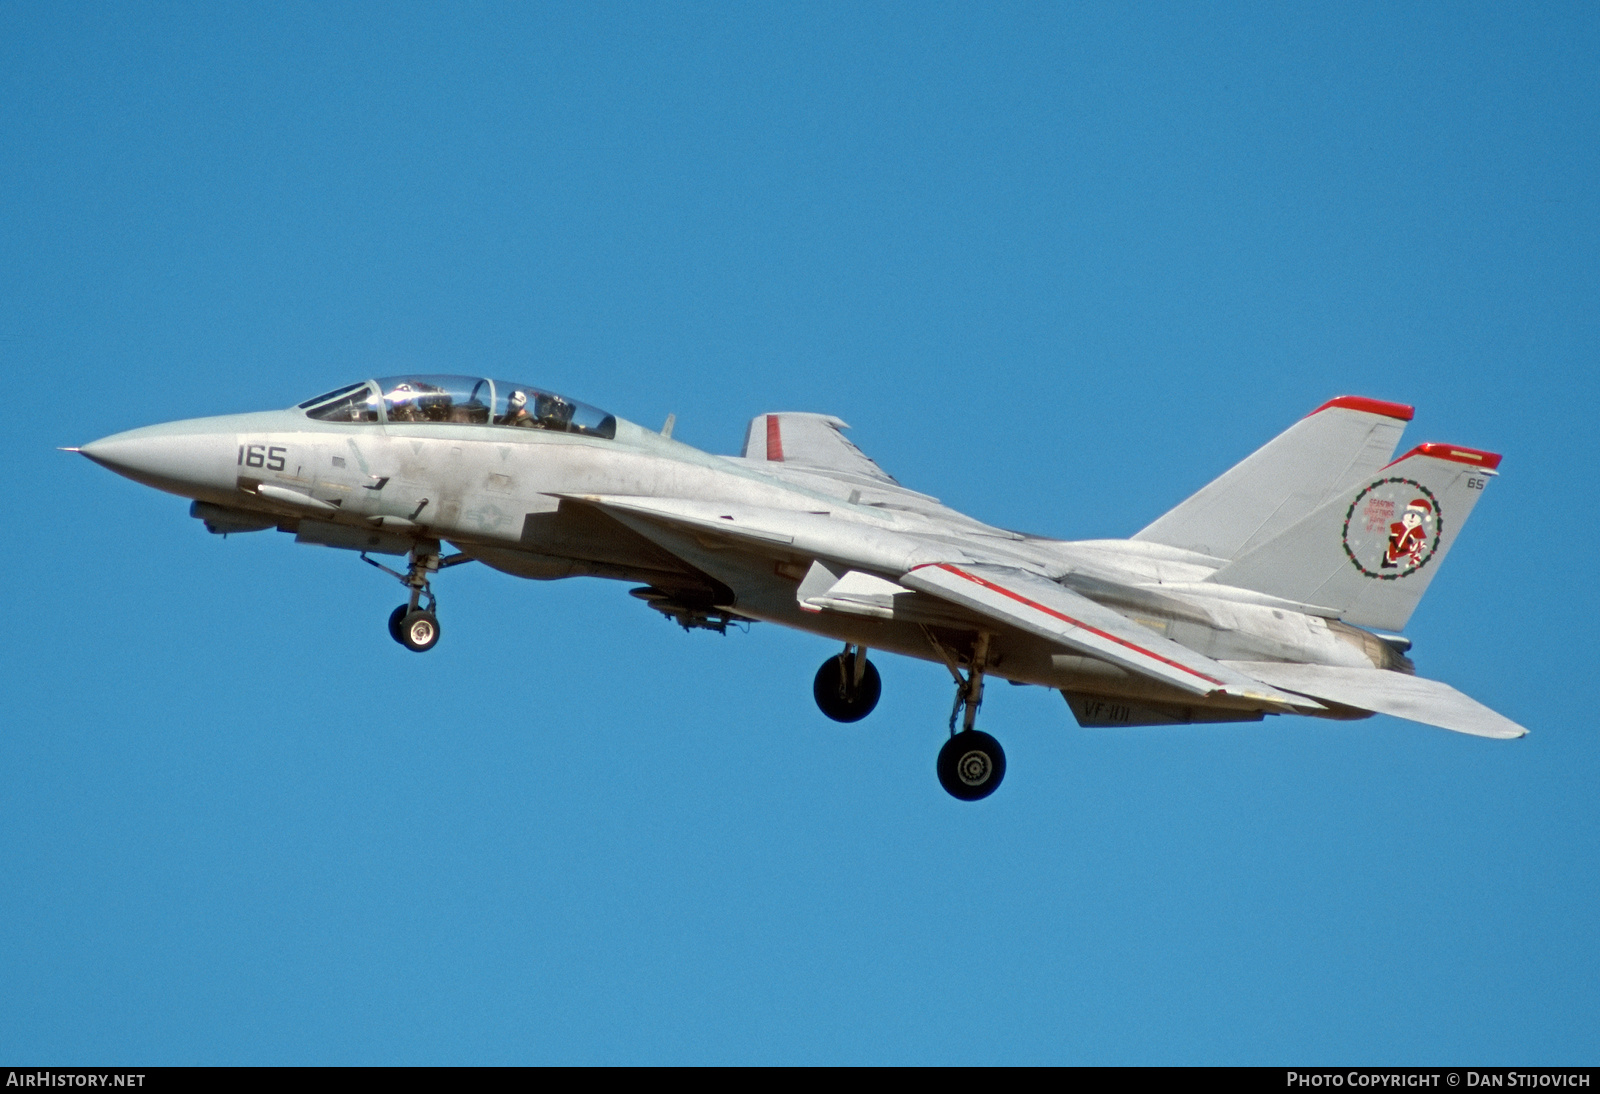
<point x="518" y="400"/>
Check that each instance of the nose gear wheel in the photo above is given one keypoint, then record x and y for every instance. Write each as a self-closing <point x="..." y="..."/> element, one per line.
<point x="419" y="631"/>
<point x="415" y="624"/>
<point x="394" y="622"/>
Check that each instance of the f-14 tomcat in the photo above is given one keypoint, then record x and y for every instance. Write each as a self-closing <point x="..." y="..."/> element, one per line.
<point x="1280" y="588"/>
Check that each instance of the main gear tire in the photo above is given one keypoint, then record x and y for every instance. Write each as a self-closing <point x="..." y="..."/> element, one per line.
<point x="971" y="765"/>
<point x="395" y="618"/>
<point x="839" y="696"/>
<point x="419" y="631"/>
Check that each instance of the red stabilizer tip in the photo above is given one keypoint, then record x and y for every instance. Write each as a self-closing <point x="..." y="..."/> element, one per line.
<point x="1456" y="453"/>
<point x="1371" y="406"/>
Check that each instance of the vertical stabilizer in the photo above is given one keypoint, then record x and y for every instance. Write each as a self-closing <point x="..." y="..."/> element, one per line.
<point x="1343" y="440"/>
<point x="1371" y="552"/>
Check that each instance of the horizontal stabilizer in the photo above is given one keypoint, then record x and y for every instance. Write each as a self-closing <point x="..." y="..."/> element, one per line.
<point x="1038" y="605"/>
<point x="1383" y="692"/>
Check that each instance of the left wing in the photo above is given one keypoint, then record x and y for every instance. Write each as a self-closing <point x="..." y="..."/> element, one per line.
<point x="810" y="442"/>
<point x="1040" y="606"/>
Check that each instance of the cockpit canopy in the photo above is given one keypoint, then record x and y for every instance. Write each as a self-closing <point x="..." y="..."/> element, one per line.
<point x="459" y="400"/>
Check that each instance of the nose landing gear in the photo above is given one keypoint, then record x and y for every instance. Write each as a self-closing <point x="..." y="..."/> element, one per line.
<point x="413" y="625"/>
<point x="415" y="629"/>
<point x="847" y="686"/>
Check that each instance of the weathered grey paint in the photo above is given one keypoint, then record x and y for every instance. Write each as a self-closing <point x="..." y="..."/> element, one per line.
<point x="775" y="539"/>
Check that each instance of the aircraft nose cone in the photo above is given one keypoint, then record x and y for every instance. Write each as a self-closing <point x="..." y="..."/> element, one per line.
<point x="118" y="452"/>
<point x="166" y="458"/>
<point x="129" y="453"/>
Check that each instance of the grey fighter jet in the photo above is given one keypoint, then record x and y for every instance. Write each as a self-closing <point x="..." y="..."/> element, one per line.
<point x="1280" y="588"/>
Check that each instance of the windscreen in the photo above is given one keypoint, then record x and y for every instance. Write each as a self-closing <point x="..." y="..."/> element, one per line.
<point x="356" y="403"/>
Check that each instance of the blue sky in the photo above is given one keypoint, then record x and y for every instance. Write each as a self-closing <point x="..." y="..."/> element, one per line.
<point x="1059" y="266"/>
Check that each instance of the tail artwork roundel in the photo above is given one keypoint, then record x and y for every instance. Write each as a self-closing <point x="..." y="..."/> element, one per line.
<point x="1392" y="528"/>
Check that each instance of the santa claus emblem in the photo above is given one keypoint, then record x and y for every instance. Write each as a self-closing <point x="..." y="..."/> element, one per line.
<point x="1392" y="528"/>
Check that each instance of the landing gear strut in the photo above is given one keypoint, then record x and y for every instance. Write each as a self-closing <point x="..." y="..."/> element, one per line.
<point x="415" y="625"/>
<point x="847" y="686"/>
<point x="971" y="763"/>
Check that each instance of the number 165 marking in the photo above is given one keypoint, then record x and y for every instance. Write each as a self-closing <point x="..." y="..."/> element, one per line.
<point x="259" y="455"/>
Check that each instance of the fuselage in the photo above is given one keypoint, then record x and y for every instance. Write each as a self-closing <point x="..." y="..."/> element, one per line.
<point x="514" y="499"/>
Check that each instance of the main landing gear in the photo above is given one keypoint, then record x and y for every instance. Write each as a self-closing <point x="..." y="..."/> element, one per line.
<point x="413" y="624"/>
<point x="848" y="686"/>
<point x="971" y="763"/>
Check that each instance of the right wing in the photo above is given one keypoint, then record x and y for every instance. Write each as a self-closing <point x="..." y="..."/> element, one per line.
<point x="1041" y="607"/>
<point x="795" y="532"/>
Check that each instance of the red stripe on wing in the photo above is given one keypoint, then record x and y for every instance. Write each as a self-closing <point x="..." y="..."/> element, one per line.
<point x="1002" y="590"/>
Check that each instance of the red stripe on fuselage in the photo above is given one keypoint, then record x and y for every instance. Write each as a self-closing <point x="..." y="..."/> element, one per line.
<point x="1003" y="591"/>
<point x="774" y="440"/>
